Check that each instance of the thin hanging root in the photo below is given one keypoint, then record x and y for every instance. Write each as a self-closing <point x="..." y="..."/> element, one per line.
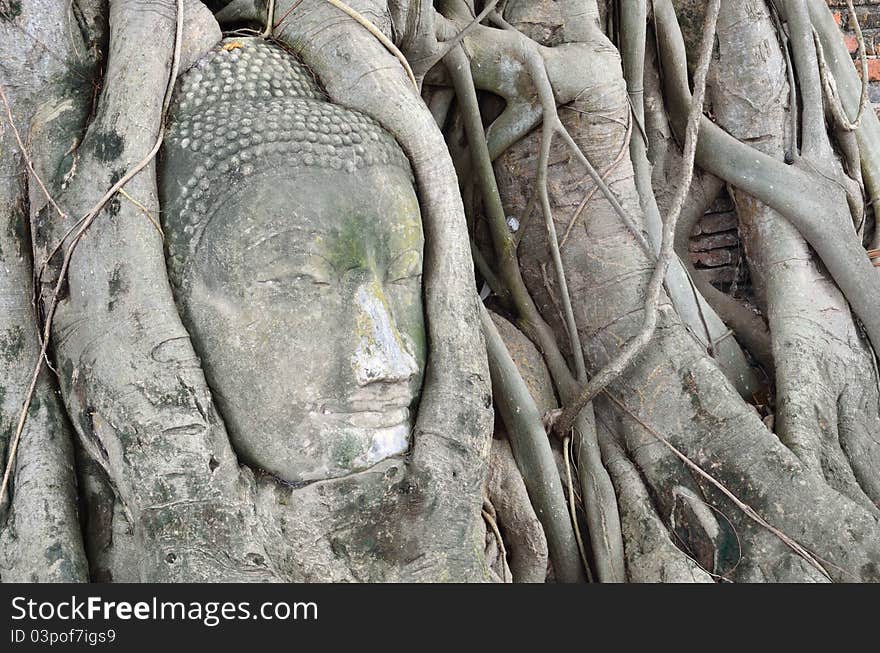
<point x="27" y="158"/>
<point x="652" y="300"/>
<point x="791" y="153"/>
<point x="548" y="287"/>
<point x="553" y="125"/>
<point x="505" y="245"/>
<point x="85" y="223"/>
<point x="606" y="191"/>
<point x="493" y="526"/>
<point x="286" y="14"/>
<point x="589" y="196"/>
<point x="572" y="508"/>
<point x="601" y="509"/>
<point x="489" y="276"/>
<point x="750" y="512"/>
<point x="143" y="210"/>
<point x="375" y="31"/>
<point x="830" y="87"/>
<point x="270" y="16"/>
<point x="79" y="223"/>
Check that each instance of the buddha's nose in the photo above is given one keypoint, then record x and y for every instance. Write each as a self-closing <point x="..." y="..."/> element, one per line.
<point x="381" y="354"/>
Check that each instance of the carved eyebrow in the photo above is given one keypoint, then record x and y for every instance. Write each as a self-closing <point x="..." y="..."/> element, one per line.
<point x="409" y="250"/>
<point x="400" y="259"/>
<point x="273" y="273"/>
<point x="261" y="240"/>
<point x="304" y="257"/>
<point x="296" y="244"/>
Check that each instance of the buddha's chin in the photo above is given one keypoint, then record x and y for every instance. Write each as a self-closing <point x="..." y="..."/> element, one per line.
<point x="356" y="448"/>
<point x="328" y="446"/>
<point x="389" y="441"/>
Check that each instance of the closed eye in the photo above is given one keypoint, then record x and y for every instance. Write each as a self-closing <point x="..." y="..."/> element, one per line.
<point x="294" y="277"/>
<point x="315" y="270"/>
<point x="407" y="266"/>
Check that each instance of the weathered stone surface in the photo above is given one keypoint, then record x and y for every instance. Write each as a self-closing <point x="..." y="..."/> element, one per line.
<point x="706" y="242"/>
<point x="714" y="222"/>
<point x="715" y="246"/>
<point x="714" y="258"/>
<point x="295" y="249"/>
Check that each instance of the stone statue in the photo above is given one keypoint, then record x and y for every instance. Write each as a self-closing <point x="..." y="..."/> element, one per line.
<point x="294" y="244"/>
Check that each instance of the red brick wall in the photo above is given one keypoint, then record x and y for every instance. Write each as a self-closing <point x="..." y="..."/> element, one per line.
<point x="868" y="14"/>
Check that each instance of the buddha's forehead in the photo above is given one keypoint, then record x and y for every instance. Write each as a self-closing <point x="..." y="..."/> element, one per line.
<point x="289" y="211"/>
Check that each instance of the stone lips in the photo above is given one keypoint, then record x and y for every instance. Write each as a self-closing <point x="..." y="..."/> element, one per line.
<point x="249" y="106"/>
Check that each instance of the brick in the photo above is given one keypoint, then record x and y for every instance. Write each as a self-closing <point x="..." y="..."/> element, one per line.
<point x="873" y="69"/>
<point x="708" y="242"/>
<point x="712" y="223"/>
<point x="715" y="258"/>
<point x="868" y="14"/>
<point x="852" y="43"/>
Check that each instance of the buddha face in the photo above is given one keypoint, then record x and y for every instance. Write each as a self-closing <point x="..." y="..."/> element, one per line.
<point x="305" y="303"/>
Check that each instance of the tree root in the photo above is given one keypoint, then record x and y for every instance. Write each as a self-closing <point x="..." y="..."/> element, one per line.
<point x="600" y="504"/>
<point x="526" y="544"/>
<point x="634" y="347"/>
<point x="791" y="190"/>
<point x="84" y="225"/>
<point x="531" y="448"/>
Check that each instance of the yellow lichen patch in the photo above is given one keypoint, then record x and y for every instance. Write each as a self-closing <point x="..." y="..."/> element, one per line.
<point x="233" y="45"/>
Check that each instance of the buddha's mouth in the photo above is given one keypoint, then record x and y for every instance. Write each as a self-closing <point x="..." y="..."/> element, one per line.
<point x="375" y="406"/>
<point x="386" y="428"/>
<point x="372" y="417"/>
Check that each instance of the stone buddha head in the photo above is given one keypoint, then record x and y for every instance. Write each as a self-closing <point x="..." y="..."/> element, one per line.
<point x="295" y="251"/>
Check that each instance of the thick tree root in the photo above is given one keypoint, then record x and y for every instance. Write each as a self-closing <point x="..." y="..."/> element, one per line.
<point x="523" y="535"/>
<point x="805" y="310"/>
